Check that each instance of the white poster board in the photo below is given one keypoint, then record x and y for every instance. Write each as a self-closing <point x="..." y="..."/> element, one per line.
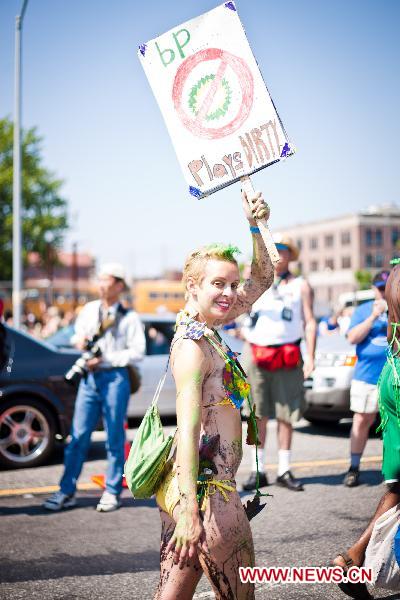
<point x="218" y="111"/>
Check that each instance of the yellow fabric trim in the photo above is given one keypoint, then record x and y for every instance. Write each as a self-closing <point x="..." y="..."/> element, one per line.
<point x="211" y="486"/>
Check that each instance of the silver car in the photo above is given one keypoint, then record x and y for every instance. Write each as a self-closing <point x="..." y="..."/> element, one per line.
<point x="328" y="388"/>
<point x="159" y="331"/>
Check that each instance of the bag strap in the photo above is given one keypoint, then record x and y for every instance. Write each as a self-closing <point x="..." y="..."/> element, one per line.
<point x="164" y="376"/>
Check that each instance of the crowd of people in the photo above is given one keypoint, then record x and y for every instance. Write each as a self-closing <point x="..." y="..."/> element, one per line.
<point x="50" y="320"/>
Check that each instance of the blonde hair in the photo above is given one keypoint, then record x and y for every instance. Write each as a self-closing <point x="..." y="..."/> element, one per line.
<point x="197" y="260"/>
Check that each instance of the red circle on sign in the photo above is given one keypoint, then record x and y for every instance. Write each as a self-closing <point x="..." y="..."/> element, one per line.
<point x="244" y="76"/>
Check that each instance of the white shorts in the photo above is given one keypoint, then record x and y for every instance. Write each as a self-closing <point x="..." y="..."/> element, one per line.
<point x="363" y="397"/>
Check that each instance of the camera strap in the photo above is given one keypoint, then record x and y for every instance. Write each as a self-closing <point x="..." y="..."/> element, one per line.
<point x="106" y="322"/>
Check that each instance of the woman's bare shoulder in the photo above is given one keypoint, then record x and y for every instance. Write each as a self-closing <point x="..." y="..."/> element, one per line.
<point x="189" y="354"/>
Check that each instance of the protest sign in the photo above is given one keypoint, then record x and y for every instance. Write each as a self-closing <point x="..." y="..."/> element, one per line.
<point x="218" y="111"/>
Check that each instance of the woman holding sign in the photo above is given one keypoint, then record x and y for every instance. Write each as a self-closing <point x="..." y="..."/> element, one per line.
<point x="204" y="525"/>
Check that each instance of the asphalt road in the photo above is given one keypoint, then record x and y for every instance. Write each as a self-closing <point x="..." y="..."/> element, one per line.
<point x="81" y="554"/>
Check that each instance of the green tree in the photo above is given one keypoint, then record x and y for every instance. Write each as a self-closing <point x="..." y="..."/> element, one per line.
<point x="43" y="209"/>
<point x="364" y="279"/>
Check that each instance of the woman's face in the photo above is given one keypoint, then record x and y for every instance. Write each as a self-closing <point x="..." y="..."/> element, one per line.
<point x="216" y="292"/>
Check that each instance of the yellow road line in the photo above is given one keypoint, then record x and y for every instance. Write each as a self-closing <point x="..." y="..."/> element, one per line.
<point x="48" y="489"/>
<point x="324" y="463"/>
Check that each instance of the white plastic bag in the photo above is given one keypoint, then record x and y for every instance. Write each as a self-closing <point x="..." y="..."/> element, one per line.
<point x="380" y="556"/>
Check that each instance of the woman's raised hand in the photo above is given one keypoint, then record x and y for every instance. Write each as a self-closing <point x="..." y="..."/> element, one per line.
<point x="255" y="207"/>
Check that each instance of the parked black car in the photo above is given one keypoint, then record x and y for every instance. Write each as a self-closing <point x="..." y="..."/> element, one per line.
<point x="36" y="404"/>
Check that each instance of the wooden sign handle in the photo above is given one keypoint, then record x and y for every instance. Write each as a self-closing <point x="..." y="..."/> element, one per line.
<point x="262" y="224"/>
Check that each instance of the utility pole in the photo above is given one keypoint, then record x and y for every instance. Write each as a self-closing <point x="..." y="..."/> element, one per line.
<point x="17" y="236"/>
<point x="74" y="275"/>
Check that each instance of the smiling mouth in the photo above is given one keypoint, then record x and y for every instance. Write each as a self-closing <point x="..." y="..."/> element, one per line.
<point x="223" y="305"/>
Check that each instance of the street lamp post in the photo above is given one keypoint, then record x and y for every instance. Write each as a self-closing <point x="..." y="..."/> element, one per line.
<point x="74" y="275"/>
<point x="49" y="239"/>
<point x="17" y="237"/>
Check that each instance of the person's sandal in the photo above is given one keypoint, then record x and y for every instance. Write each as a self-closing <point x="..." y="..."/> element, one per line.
<point x="358" y="591"/>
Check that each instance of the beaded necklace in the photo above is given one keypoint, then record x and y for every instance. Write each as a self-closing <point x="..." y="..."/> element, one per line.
<point x="236" y="388"/>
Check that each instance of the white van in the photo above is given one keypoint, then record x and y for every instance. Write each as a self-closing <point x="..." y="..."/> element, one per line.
<point x="328" y="388"/>
<point x="355" y="298"/>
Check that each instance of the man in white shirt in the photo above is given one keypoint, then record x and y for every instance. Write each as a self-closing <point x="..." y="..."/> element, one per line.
<point x="104" y="390"/>
<point x="276" y="370"/>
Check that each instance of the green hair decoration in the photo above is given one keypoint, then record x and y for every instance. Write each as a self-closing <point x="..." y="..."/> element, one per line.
<point x="395" y="261"/>
<point x="224" y="251"/>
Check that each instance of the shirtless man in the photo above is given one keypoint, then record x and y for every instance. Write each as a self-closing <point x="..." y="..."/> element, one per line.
<point x="204" y="526"/>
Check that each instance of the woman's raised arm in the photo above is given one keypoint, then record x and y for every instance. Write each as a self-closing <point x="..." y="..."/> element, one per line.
<point x="262" y="270"/>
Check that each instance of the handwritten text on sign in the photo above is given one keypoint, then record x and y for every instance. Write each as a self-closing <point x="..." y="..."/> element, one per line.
<point x="218" y="111"/>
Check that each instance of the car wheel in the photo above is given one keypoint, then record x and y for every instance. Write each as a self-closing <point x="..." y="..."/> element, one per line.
<point x="27" y="433"/>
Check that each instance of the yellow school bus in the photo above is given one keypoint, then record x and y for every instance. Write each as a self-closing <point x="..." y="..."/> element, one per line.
<point x="158" y="295"/>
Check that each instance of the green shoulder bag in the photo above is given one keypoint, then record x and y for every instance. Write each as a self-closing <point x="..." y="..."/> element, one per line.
<point x="149" y="451"/>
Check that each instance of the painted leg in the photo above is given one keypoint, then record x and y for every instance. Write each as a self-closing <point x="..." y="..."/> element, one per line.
<point x="175" y="582"/>
<point x="230" y="543"/>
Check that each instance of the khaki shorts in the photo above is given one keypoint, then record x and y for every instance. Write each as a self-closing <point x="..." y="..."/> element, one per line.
<point x="363" y="397"/>
<point x="276" y="394"/>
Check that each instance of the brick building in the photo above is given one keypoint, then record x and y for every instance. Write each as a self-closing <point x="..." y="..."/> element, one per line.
<point x="331" y="251"/>
<point x="69" y="280"/>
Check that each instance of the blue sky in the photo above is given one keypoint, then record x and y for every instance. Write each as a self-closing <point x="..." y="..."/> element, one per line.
<point x="331" y="68"/>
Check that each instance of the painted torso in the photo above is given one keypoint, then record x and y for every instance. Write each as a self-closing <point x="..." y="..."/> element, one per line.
<point x="219" y="418"/>
<point x="220" y="439"/>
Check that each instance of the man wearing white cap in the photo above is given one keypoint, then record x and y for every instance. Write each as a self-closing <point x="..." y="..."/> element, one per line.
<point x="276" y="369"/>
<point x="104" y="390"/>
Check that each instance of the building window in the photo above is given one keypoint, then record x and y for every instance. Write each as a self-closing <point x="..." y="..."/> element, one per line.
<point x="299" y="244"/>
<point x="368" y="237"/>
<point x="313" y="243"/>
<point x="395" y="236"/>
<point x="379" y="260"/>
<point x="314" y="265"/>
<point x="369" y="263"/>
<point x="300" y="266"/>
<point x="329" y="264"/>
<point x="346" y="262"/>
<point x="346" y="238"/>
<point x="328" y="241"/>
<point x="378" y="237"/>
